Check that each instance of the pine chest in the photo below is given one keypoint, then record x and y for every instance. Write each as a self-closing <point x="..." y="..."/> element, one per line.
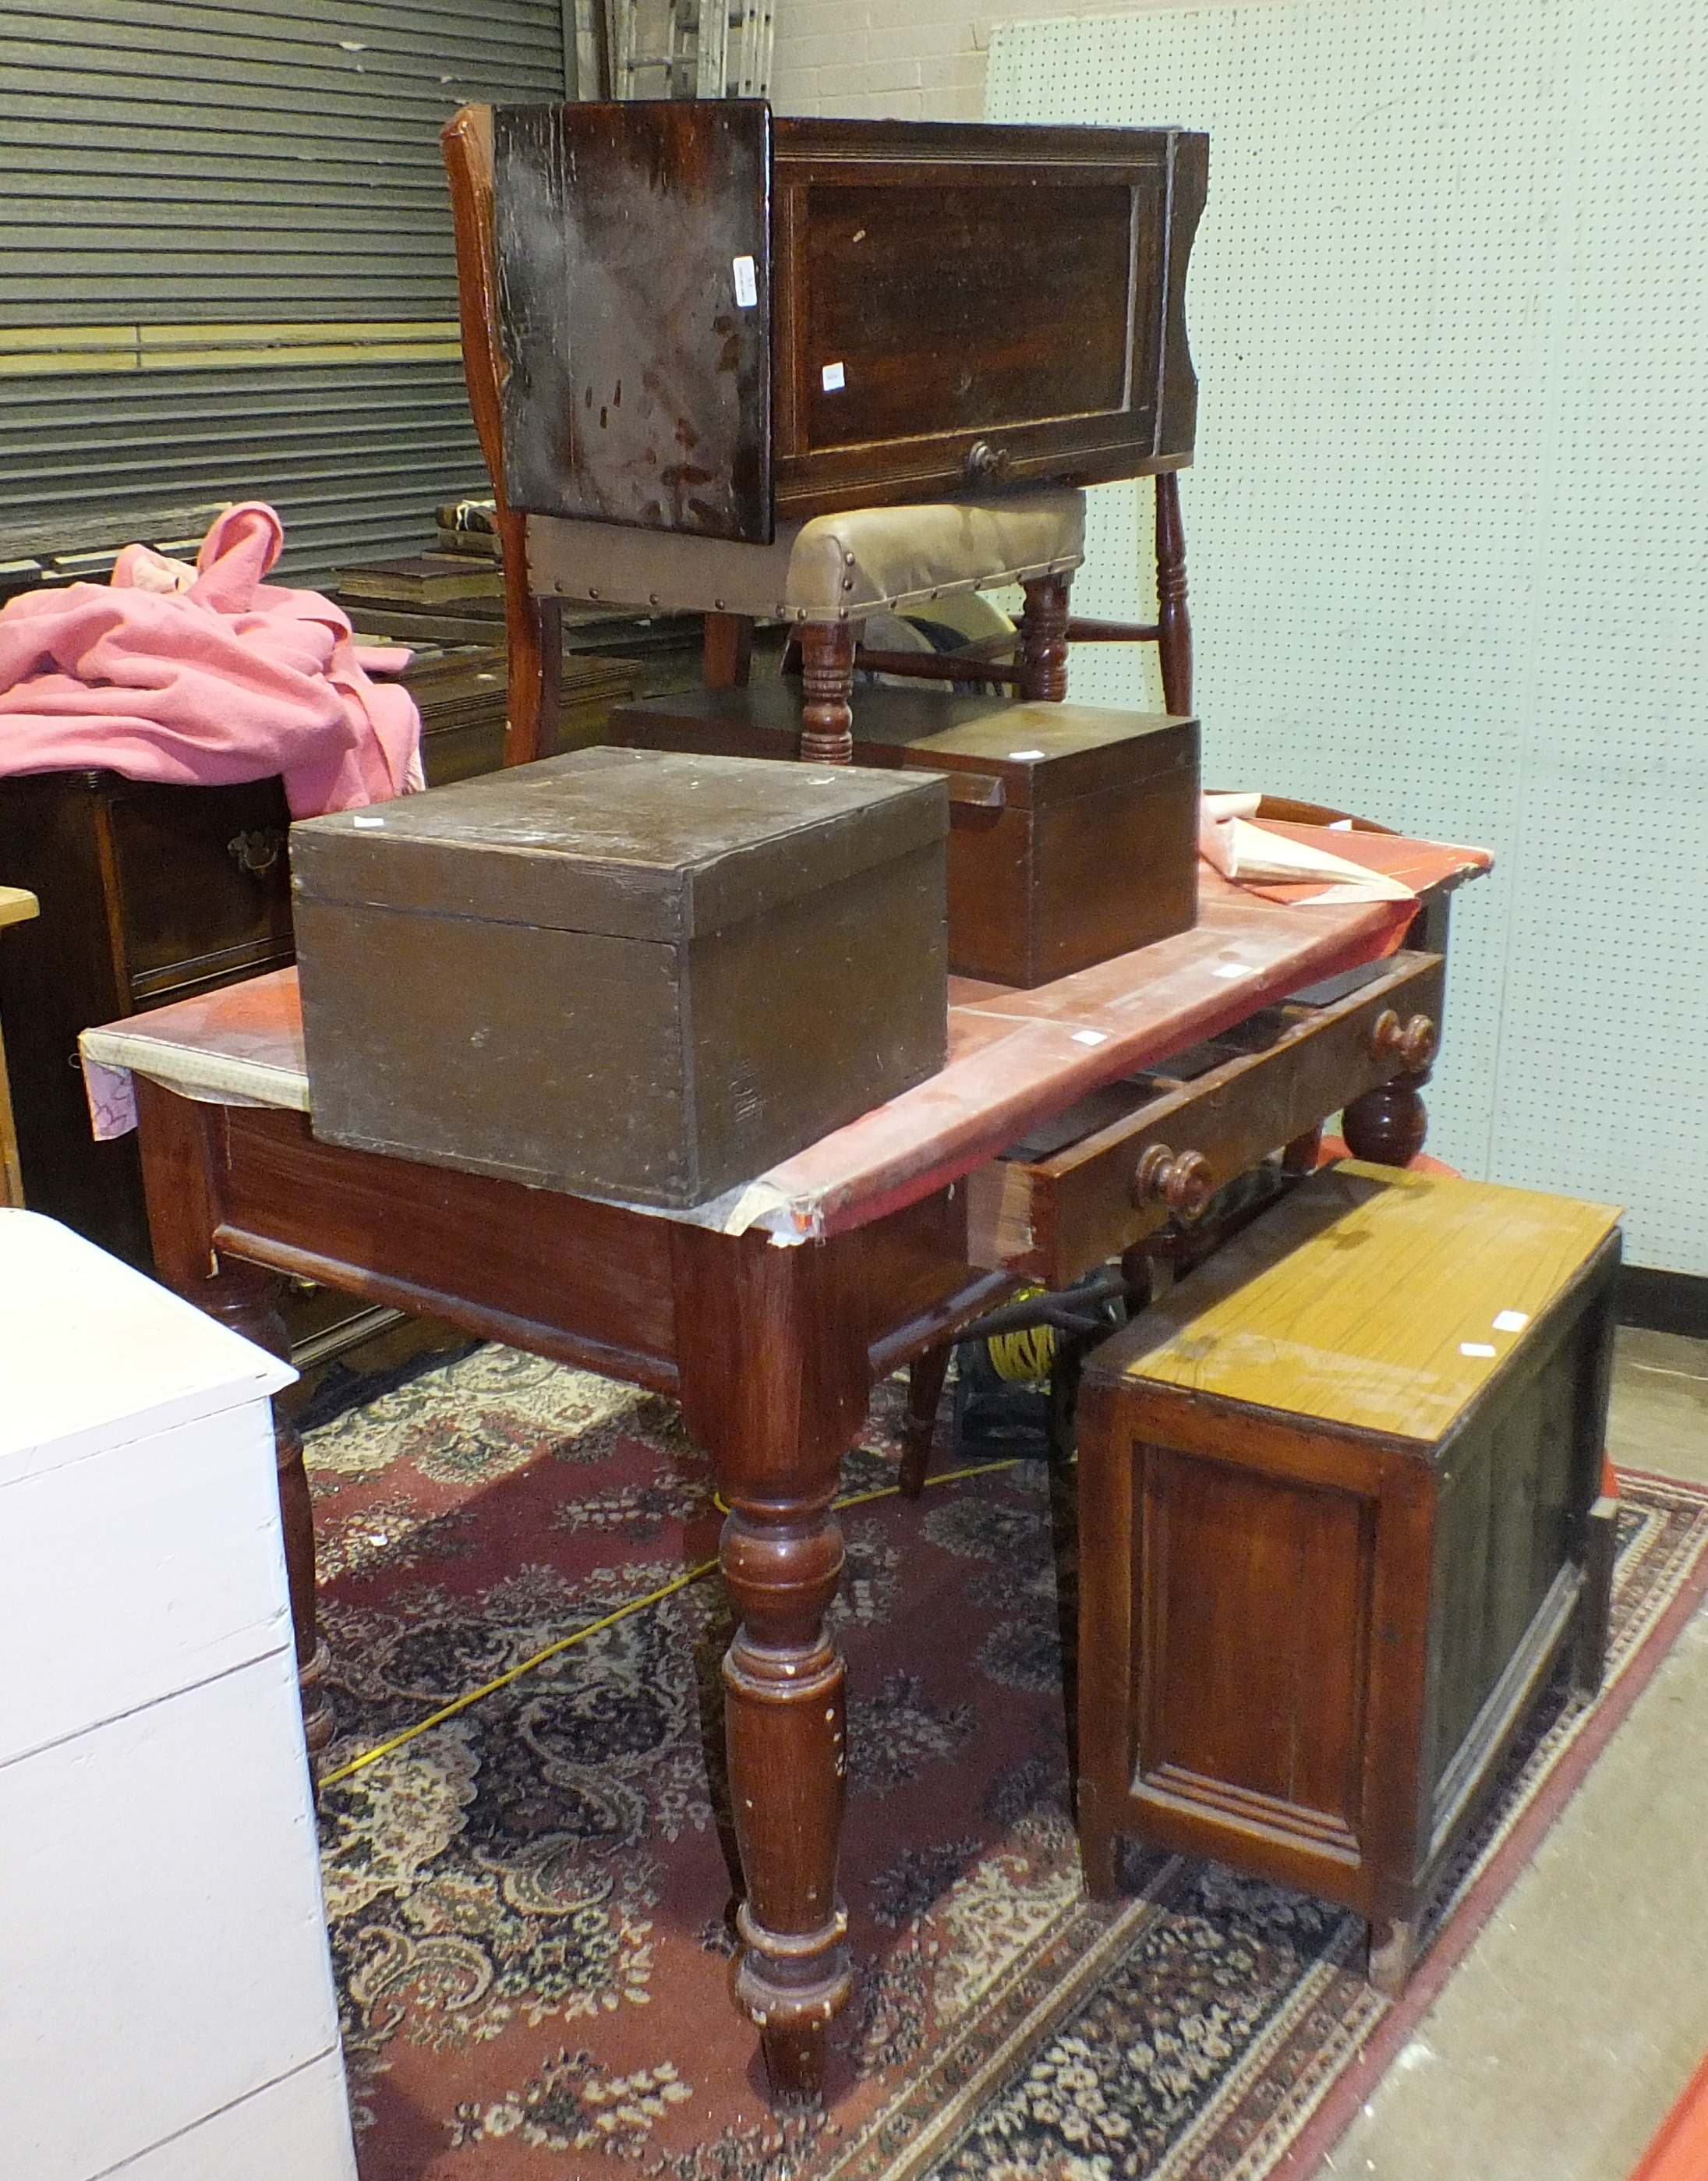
<point x="622" y="973"/>
<point x="1340" y="1513"/>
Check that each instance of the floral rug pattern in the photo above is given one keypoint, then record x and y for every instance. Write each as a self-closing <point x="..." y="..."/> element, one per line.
<point x="530" y="1901"/>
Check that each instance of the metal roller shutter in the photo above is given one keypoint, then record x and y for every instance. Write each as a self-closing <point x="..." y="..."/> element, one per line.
<point x="226" y="266"/>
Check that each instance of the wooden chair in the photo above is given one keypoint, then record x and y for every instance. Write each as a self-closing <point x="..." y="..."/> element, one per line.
<point x="824" y="576"/>
<point x="16" y="907"/>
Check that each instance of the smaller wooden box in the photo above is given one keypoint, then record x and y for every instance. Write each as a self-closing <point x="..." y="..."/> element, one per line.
<point x="622" y="973"/>
<point x="1073" y="830"/>
<point x="1339" y="1515"/>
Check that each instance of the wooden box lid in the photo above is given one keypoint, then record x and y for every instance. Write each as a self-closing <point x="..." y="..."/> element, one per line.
<point x="1043" y="754"/>
<point x="632" y="843"/>
<point x="1373" y="1299"/>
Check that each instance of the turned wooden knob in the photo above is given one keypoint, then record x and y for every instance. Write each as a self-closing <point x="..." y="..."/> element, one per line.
<point x="985" y="464"/>
<point x="1413" y="1042"/>
<point x="1184" y="1183"/>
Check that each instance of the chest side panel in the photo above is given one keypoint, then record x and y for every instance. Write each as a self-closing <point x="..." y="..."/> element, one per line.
<point x="1256" y="1595"/>
<point x="633" y="246"/>
<point x="805" y="1018"/>
<point x="1115" y="871"/>
<point x="1515" y="1481"/>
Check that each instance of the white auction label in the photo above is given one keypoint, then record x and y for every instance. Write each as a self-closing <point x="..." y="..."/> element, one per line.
<point x="1475" y="1348"/>
<point x="834" y="377"/>
<point x="747" y="283"/>
<point x="1511" y="1321"/>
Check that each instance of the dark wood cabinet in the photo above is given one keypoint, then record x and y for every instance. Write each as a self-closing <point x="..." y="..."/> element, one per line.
<point x="716" y="319"/>
<point x="148" y="894"/>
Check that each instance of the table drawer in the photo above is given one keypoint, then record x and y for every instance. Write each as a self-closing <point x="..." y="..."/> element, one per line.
<point x="1101" y="1176"/>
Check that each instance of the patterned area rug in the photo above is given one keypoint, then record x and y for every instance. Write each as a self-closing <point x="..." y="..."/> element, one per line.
<point x="529" y="1887"/>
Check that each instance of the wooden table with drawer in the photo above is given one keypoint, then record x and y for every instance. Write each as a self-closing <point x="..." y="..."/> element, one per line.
<point x="772" y="1350"/>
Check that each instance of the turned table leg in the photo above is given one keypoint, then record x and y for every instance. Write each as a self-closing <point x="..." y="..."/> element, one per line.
<point x="181" y="1142"/>
<point x="245" y="1298"/>
<point x="1387" y="1125"/>
<point x="774" y="1383"/>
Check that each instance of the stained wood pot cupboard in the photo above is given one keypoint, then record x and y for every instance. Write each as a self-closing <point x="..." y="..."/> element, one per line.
<point x="1341" y="1513"/>
<point x="1073" y="830"/>
<point x="716" y="318"/>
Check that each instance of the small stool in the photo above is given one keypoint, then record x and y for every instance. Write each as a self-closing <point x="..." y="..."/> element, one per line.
<point x="1340" y="1511"/>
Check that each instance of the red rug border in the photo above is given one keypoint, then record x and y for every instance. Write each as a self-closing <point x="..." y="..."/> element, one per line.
<point x="1679" y="2149"/>
<point x="1342" y="2104"/>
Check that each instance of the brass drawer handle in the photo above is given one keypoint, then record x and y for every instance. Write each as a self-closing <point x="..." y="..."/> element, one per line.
<point x="1184" y="1183"/>
<point x="985" y="464"/>
<point x="256" y="852"/>
<point x="1412" y="1042"/>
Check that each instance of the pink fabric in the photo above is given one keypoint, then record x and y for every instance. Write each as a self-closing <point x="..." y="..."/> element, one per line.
<point x="203" y="679"/>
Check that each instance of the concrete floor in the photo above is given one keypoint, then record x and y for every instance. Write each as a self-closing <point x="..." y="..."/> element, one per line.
<point x="1556" y="2049"/>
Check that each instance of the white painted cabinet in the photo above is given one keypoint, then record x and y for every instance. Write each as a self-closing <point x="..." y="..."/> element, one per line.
<point x="166" y="2003"/>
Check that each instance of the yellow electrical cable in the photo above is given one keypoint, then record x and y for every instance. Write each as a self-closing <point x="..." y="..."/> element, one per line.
<point x="1020" y="1357"/>
<point x="634" y="1605"/>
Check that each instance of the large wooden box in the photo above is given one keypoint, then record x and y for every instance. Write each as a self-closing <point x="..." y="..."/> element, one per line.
<point x="622" y="973"/>
<point x="1339" y="1517"/>
<point x="715" y="320"/>
<point x="1073" y="830"/>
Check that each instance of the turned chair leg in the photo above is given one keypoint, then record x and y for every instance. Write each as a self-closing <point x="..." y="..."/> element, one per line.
<point x="925" y="1377"/>
<point x="1173" y="622"/>
<point x="827" y="679"/>
<point x="1042" y="656"/>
